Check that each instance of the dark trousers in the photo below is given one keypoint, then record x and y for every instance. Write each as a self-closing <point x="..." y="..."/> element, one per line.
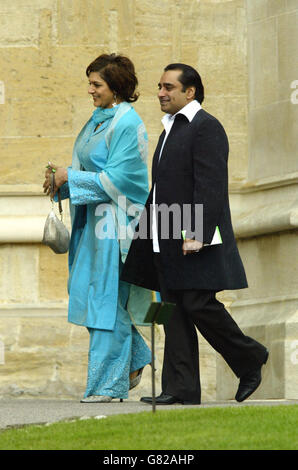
<point x="200" y="309"/>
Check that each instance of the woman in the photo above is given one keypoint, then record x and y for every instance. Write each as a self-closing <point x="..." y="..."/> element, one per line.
<point x="107" y="186"/>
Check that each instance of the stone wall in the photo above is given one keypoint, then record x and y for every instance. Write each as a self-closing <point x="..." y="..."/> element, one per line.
<point x="245" y="52"/>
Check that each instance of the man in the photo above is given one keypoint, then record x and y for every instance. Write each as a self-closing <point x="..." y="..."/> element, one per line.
<point x="189" y="171"/>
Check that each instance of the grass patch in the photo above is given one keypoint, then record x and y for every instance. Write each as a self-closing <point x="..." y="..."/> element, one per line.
<point x="247" y="428"/>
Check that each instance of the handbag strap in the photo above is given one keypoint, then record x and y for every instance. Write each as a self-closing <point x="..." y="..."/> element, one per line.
<point x="58" y="193"/>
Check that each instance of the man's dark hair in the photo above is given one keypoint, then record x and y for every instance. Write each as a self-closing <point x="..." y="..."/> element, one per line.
<point x="189" y="77"/>
<point x="119" y="73"/>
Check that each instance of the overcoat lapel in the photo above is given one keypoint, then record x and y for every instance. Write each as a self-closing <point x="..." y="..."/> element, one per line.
<point x="156" y="156"/>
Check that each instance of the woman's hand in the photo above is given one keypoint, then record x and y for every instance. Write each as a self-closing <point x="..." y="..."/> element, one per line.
<point x="60" y="178"/>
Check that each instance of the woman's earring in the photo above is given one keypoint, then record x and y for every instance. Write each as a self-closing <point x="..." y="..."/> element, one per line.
<point x="115" y="100"/>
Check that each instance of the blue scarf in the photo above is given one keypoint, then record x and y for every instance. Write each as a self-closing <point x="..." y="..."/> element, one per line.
<point x="102" y="114"/>
<point x="125" y="181"/>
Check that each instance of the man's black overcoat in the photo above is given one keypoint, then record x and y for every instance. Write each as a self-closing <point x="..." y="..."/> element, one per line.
<point x="192" y="170"/>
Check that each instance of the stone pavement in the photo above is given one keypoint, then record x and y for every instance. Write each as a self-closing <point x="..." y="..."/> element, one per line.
<point x="24" y="411"/>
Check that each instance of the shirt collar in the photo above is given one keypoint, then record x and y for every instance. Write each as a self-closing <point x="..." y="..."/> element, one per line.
<point x="189" y="111"/>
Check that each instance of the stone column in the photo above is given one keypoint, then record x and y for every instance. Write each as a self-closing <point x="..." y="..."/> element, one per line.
<point x="265" y="206"/>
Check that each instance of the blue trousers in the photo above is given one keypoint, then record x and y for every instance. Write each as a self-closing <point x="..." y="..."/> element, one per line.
<point x="113" y="355"/>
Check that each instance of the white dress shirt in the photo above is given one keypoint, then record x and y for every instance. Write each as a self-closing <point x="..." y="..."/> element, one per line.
<point x="190" y="110"/>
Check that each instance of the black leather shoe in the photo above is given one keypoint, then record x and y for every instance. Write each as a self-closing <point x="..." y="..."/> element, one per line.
<point x="164" y="399"/>
<point x="249" y="382"/>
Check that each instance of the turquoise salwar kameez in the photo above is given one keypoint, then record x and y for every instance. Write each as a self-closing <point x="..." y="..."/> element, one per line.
<point x="107" y="188"/>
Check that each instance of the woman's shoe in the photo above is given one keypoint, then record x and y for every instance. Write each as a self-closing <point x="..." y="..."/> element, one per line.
<point x="136" y="380"/>
<point x="98" y="399"/>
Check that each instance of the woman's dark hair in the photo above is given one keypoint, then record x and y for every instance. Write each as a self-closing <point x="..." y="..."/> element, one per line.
<point x="119" y="73"/>
<point x="189" y="77"/>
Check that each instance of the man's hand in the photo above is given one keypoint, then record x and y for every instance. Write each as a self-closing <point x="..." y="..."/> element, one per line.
<point x="191" y="246"/>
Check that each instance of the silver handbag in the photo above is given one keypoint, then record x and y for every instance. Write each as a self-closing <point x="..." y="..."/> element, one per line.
<point x="55" y="234"/>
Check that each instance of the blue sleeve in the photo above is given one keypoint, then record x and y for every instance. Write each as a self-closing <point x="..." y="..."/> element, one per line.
<point x="85" y="188"/>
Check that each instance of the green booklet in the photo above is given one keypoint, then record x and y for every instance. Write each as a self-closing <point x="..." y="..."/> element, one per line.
<point x="216" y="240"/>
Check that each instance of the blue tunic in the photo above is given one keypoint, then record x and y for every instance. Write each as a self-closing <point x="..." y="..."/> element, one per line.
<point x="109" y="165"/>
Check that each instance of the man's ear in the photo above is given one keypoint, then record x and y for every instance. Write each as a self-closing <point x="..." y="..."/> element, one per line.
<point x="191" y="93"/>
